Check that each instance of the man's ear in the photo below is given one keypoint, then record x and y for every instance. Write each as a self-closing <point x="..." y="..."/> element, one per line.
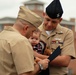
<point x="60" y="19"/>
<point x="43" y="13"/>
<point x="26" y="27"/>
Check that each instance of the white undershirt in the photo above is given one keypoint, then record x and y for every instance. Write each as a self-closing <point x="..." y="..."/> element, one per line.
<point x="48" y="32"/>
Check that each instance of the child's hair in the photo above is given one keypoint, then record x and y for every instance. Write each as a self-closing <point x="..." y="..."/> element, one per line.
<point x="37" y="31"/>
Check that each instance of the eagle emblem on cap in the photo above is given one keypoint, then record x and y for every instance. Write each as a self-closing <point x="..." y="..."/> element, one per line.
<point x="58" y="15"/>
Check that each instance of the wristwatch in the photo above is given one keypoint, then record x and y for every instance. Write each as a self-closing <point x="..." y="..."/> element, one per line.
<point x="41" y="66"/>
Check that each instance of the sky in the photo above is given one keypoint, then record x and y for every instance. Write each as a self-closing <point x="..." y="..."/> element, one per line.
<point x="10" y="8"/>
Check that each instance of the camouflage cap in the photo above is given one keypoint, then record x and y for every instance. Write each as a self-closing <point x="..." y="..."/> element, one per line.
<point x="29" y="16"/>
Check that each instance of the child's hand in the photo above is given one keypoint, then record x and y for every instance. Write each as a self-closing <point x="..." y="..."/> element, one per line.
<point x="47" y="52"/>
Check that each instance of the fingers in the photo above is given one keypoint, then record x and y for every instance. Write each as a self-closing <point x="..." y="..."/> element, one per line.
<point x="44" y="63"/>
<point x="37" y="59"/>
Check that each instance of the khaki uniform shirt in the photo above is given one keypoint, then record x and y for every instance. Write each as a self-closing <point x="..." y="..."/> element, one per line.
<point x="62" y="37"/>
<point x="16" y="53"/>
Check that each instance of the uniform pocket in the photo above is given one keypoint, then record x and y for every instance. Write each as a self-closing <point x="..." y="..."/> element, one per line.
<point x="55" y="44"/>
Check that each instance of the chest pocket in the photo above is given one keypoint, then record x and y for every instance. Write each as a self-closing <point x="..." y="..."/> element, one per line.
<point x="55" y="42"/>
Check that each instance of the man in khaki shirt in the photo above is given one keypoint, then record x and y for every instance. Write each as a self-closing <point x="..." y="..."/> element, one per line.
<point x="16" y="53"/>
<point x="54" y="35"/>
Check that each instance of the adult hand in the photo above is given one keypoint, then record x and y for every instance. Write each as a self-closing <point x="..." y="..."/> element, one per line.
<point x="44" y="63"/>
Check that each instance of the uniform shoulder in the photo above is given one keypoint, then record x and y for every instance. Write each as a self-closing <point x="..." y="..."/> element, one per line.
<point x="19" y="37"/>
<point x="16" y="38"/>
<point x="65" y="29"/>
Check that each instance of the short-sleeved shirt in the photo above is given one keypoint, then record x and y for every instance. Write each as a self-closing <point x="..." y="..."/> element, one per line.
<point x="62" y="37"/>
<point x="16" y="53"/>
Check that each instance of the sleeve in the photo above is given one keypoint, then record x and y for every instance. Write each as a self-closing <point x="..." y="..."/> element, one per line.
<point x="23" y="56"/>
<point x="68" y="45"/>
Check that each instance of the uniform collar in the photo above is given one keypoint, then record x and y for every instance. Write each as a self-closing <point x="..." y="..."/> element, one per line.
<point x="57" y="30"/>
<point x="43" y="32"/>
<point x="10" y="28"/>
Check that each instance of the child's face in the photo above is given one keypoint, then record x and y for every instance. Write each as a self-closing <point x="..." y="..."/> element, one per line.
<point x="34" y="39"/>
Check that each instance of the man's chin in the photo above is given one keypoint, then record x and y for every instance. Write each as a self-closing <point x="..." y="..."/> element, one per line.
<point x="48" y="29"/>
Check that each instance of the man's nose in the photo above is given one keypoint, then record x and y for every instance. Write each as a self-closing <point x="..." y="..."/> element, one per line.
<point x="49" y="23"/>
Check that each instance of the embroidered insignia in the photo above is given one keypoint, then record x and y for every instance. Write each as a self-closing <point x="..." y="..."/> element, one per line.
<point x="58" y="15"/>
<point x="57" y="41"/>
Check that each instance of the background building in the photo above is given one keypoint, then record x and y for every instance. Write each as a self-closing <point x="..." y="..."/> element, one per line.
<point x="6" y="21"/>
